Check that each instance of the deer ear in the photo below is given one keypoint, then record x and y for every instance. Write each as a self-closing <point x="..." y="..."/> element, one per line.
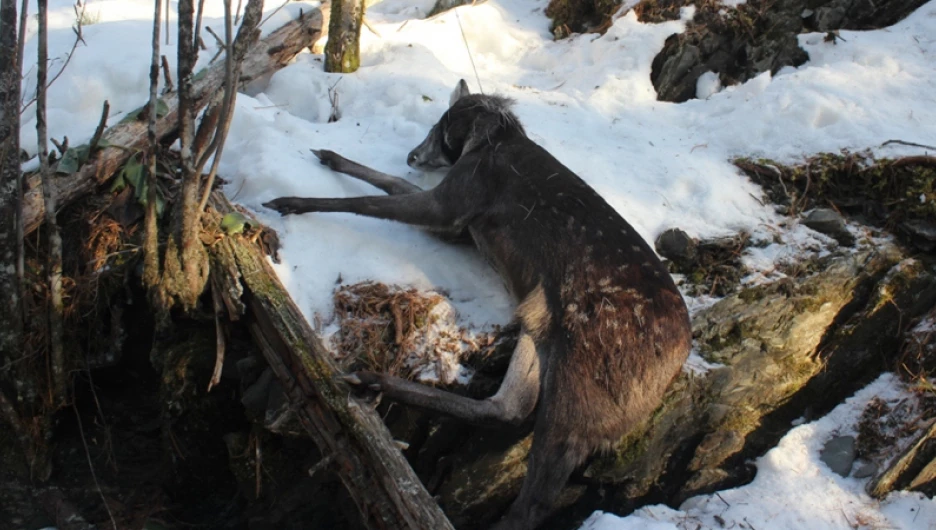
<point x="460" y="91"/>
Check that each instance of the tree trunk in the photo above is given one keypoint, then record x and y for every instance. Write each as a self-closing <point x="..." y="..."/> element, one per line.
<point x="351" y="436"/>
<point x="343" y="50"/>
<point x="11" y="312"/>
<point x="11" y="308"/>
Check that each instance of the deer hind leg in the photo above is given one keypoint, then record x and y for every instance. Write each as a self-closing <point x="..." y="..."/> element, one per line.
<point x="550" y="464"/>
<point x="387" y="183"/>
<point x="512" y="403"/>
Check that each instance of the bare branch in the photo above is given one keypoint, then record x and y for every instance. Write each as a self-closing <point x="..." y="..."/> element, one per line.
<point x="61" y="146"/>
<point x="275" y="11"/>
<point x="230" y="92"/>
<point x="246" y="35"/>
<point x="198" y="23"/>
<point x="150" y="228"/>
<point x="167" y="74"/>
<point x="79" y="38"/>
<point x="54" y="258"/>
<point x="102" y="124"/>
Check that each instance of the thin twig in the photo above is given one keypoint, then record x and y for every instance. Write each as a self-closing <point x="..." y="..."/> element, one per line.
<point x="221" y="46"/>
<point x="219" y="339"/>
<point x="321" y="464"/>
<point x="371" y="28"/>
<point x="909" y="144"/>
<point x="102" y="124"/>
<point x="218" y="39"/>
<point x="167" y="75"/>
<point x="246" y="34"/>
<point x="224" y="121"/>
<point x="198" y="22"/>
<point x="237" y="12"/>
<point x="84" y="442"/>
<point x="275" y="11"/>
<point x="60" y="146"/>
<point x="54" y="258"/>
<point x="79" y="37"/>
<point x="150" y="228"/>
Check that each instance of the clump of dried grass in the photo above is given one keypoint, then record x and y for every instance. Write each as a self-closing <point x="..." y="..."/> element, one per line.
<point x="378" y="325"/>
<point x="402" y="332"/>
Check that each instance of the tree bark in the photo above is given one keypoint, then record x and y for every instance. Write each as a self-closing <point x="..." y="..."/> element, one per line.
<point x="11" y="312"/>
<point x="130" y="136"/>
<point x="343" y="50"/>
<point x="381" y="482"/>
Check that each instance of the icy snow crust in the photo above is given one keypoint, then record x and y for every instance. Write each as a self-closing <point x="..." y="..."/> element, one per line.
<point x="589" y="101"/>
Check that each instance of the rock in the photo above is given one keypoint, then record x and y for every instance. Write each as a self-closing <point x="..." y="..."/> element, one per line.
<point x="758" y="36"/>
<point x="676" y="245"/>
<point x="839" y="454"/>
<point x="865" y="470"/>
<point x="829" y="222"/>
<point x="922" y="234"/>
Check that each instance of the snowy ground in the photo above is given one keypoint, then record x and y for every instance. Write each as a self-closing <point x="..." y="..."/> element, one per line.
<point x="794" y="489"/>
<point x="590" y="102"/>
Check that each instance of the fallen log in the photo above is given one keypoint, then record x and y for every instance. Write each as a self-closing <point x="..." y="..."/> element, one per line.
<point x="352" y="437"/>
<point x="130" y="136"/>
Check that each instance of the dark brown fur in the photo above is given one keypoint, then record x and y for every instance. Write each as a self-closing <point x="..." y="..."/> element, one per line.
<point x="604" y="329"/>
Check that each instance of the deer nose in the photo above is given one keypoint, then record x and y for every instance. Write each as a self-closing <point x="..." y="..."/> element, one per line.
<point x="411" y="159"/>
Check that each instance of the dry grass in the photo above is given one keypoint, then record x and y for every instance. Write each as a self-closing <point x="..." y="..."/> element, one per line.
<point x="401" y="332"/>
<point x="378" y="325"/>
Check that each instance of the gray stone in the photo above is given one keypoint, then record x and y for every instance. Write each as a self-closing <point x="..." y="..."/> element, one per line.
<point x="921" y="233"/>
<point x="676" y="245"/>
<point x="830" y="223"/>
<point x="865" y="470"/>
<point x="839" y="454"/>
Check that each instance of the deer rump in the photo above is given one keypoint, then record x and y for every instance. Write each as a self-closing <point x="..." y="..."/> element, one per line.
<point x="603" y="328"/>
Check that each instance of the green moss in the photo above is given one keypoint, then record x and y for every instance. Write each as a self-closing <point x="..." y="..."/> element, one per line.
<point x="751" y="294"/>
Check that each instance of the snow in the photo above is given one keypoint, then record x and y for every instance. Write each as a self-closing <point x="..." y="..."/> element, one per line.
<point x="589" y="101"/>
<point x="793" y="489"/>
